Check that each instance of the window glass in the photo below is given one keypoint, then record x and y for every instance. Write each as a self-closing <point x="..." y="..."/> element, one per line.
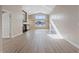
<point x="40" y="17"/>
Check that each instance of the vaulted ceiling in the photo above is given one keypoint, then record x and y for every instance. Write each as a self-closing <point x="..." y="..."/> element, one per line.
<point x="32" y="9"/>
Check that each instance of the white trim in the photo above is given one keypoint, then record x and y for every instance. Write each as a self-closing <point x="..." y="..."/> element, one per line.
<point x="72" y="43"/>
<point x="16" y="35"/>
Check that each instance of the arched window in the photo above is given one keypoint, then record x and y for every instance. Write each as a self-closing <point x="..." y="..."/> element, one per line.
<point x="40" y="20"/>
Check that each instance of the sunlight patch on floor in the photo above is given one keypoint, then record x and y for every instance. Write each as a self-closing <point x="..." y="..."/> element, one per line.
<point x="55" y="36"/>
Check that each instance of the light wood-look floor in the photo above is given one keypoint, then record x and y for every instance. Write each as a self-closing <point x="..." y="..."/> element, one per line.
<point x="37" y="41"/>
<point x="0" y="45"/>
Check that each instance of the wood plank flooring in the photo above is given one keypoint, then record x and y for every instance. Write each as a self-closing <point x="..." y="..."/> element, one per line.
<point x="37" y="41"/>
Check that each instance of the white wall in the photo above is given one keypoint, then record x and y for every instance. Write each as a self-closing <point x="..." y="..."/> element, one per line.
<point x="0" y="22"/>
<point x="66" y="18"/>
<point x="16" y="19"/>
<point x="16" y="24"/>
<point x="0" y="29"/>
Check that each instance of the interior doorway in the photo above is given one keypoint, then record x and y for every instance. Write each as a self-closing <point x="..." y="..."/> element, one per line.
<point x="6" y="24"/>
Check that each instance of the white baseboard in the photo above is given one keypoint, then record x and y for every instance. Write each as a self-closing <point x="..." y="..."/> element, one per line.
<point x="16" y="35"/>
<point x="58" y="37"/>
<point x="73" y="44"/>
